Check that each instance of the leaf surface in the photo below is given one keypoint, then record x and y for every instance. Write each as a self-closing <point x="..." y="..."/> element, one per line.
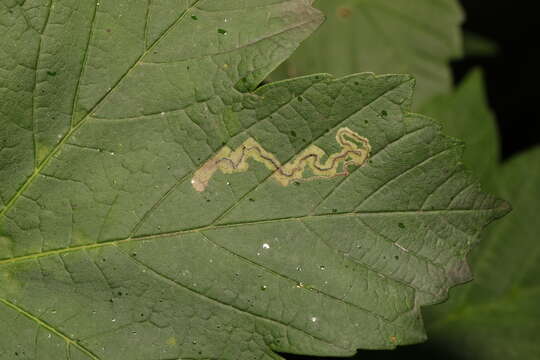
<point x="123" y="237"/>
<point x="417" y="37"/>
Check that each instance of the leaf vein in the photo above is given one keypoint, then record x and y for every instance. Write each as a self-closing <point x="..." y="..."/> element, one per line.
<point x="50" y="328"/>
<point x="232" y="225"/>
<point x="74" y="129"/>
<point x="169" y="280"/>
<point x="295" y="282"/>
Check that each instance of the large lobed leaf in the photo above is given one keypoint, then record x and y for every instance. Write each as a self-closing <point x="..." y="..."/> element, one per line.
<point x="109" y="249"/>
<point x="417" y="37"/>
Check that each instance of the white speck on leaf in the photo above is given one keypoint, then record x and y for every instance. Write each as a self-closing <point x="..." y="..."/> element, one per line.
<point x="401" y="247"/>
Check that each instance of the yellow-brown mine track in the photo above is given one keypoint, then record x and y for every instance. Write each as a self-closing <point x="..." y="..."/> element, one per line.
<point x="355" y="150"/>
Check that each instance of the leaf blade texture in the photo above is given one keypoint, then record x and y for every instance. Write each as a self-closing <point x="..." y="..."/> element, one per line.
<point x="108" y="252"/>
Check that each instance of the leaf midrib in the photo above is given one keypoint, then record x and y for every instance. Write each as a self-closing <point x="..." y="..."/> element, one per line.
<point x="234" y="225"/>
<point x="73" y="342"/>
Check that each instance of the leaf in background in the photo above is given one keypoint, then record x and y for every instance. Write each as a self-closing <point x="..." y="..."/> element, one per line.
<point x="465" y="115"/>
<point x="497" y="315"/>
<point x="479" y="46"/>
<point x="417" y="37"/>
<point x="112" y="114"/>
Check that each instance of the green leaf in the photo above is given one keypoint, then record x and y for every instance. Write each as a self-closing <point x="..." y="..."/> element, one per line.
<point x="496" y="316"/>
<point x="123" y="234"/>
<point x="417" y="37"/>
<point x="477" y="45"/>
<point x="466" y="115"/>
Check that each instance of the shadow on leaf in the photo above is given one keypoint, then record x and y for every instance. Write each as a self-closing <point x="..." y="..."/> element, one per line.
<point x="429" y="350"/>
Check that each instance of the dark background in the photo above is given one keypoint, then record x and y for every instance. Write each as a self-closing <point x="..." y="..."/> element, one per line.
<point x="513" y="86"/>
<point x="513" y="81"/>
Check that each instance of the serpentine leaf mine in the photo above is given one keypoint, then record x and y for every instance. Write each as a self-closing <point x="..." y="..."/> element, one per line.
<point x="355" y="151"/>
